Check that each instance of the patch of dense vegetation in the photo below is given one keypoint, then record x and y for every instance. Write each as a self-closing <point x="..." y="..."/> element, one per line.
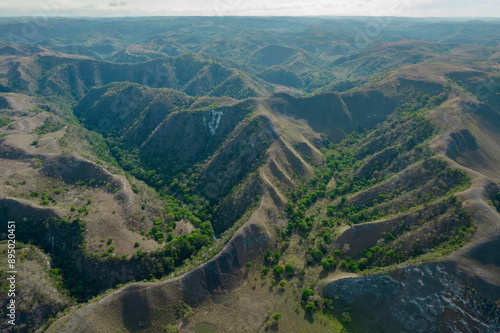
<point x="495" y="201"/>
<point x="5" y="120"/>
<point x="85" y="275"/>
<point x="387" y="173"/>
<point x="179" y="193"/>
<point x="49" y="125"/>
<point x="419" y="186"/>
<point x="63" y="239"/>
<point x="356" y="164"/>
<point x="444" y="226"/>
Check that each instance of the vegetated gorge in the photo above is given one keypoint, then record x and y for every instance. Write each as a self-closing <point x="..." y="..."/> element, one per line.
<point x="251" y="174"/>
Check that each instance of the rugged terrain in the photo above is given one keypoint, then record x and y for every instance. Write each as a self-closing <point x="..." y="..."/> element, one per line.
<point x="279" y="175"/>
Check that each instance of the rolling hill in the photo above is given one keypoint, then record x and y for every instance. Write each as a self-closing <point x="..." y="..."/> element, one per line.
<point x="252" y="175"/>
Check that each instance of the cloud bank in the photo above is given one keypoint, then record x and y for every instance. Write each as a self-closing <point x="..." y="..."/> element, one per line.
<point x="97" y="8"/>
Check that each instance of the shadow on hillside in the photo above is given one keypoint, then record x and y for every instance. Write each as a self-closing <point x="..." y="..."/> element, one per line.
<point x="309" y="317"/>
<point x="323" y="274"/>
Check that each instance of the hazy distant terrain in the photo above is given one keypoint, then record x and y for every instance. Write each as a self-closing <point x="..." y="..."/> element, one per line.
<point x="245" y="174"/>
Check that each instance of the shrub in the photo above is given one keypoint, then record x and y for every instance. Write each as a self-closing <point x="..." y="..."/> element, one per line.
<point x="110" y="240"/>
<point x="184" y="311"/>
<point x="311" y="306"/>
<point x="249" y="264"/>
<point x="278" y="270"/>
<point x="84" y="209"/>
<point x="328" y="304"/>
<point x="316" y="254"/>
<point x="328" y="263"/>
<point x="282" y="283"/>
<point x="170" y="329"/>
<point x="306" y="293"/>
<point x="276" y="256"/>
<point x="277" y="316"/>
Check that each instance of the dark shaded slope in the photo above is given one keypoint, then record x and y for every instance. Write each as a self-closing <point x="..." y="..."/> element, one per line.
<point x="129" y="111"/>
<point x="337" y="114"/>
<point x="189" y="73"/>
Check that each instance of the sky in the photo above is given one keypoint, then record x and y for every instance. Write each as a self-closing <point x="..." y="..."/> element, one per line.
<point x="117" y="8"/>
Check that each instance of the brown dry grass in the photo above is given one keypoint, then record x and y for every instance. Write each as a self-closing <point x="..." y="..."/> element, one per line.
<point x="111" y="214"/>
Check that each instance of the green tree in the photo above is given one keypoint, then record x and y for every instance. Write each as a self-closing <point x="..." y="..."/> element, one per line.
<point x="316" y="254"/>
<point x="328" y="263"/>
<point x="311" y="306"/>
<point x="278" y="270"/>
<point x="306" y="293"/>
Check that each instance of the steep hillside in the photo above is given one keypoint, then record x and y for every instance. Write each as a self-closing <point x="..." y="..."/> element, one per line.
<point x="128" y="110"/>
<point x="190" y="73"/>
<point x="475" y="297"/>
<point x="42" y="295"/>
<point x="94" y="225"/>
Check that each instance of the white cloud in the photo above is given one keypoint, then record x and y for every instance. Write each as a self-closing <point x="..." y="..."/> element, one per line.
<point x="445" y="8"/>
<point x="116" y="3"/>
